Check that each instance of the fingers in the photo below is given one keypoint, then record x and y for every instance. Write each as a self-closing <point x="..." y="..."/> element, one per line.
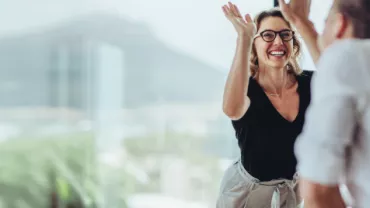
<point x="228" y="13"/>
<point x="287" y="12"/>
<point x="226" y="10"/>
<point x="248" y="18"/>
<point x="282" y="2"/>
<point x="231" y="10"/>
<point x="237" y="11"/>
<point x="283" y="5"/>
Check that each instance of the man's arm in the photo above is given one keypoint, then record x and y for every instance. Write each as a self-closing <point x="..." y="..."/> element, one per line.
<point x="297" y="13"/>
<point x="329" y="129"/>
<point x="316" y="195"/>
<point x="321" y="150"/>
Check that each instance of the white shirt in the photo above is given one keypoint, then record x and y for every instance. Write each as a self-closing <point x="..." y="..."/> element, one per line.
<point x="335" y="141"/>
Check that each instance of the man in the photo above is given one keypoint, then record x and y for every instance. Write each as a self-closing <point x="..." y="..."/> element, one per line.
<point x="334" y="147"/>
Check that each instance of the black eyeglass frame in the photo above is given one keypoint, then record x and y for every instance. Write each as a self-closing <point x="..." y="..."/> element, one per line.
<point x="276" y="34"/>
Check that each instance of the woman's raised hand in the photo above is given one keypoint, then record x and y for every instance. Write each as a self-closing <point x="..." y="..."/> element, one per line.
<point x="244" y="26"/>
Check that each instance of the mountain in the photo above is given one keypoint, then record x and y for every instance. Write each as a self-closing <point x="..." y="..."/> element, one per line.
<point x="43" y="66"/>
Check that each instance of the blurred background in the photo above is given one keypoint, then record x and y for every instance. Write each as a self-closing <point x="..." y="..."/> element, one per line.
<point x="117" y="103"/>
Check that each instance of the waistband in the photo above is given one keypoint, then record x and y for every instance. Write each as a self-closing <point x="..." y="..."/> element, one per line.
<point x="274" y="185"/>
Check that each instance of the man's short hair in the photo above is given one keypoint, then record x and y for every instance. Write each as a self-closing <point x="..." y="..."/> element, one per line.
<point x="358" y="12"/>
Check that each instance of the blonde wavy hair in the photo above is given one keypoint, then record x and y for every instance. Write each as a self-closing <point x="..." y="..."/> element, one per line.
<point x="292" y="66"/>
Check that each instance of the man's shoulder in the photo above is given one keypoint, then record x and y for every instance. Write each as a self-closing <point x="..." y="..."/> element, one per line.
<point x="348" y="56"/>
<point x="345" y="63"/>
<point x="349" y="44"/>
<point x="349" y="48"/>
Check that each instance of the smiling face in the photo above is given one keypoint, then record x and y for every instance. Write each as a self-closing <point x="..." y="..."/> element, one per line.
<point x="274" y="45"/>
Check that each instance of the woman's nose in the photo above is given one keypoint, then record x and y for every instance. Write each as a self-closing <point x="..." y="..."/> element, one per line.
<point x="278" y="40"/>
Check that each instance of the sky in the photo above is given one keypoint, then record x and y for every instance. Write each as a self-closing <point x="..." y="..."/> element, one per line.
<point x="197" y="28"/>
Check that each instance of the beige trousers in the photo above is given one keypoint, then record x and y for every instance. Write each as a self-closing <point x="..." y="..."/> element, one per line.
<point x="241" y="190"/>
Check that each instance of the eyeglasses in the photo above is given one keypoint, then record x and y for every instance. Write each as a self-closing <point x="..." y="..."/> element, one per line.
<point x="270" y="35"/>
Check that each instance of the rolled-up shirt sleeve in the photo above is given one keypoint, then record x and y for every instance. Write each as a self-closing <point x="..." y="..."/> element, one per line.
<point x="330" y="118"/>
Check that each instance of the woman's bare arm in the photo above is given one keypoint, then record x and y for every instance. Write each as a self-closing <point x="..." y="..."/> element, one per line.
<point x="235" y="100"/>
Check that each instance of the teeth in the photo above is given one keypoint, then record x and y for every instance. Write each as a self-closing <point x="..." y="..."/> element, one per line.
<point x="277" y="53"/>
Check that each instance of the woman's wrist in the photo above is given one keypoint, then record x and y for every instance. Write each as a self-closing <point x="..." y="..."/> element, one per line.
<point x="245" y="39"/>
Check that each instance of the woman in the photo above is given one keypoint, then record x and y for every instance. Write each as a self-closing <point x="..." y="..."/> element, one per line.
<point x="271" y="116"/>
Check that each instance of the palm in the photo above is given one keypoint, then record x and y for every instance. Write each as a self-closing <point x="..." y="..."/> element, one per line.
<point x="296" y="10"/>
<point x="243" y="26"/>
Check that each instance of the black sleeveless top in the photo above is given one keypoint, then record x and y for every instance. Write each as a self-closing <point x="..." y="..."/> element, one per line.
<point x="266" y="139"/>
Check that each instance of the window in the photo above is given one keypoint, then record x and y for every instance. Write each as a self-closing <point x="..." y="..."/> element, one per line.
<point x="115" y="103"/>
